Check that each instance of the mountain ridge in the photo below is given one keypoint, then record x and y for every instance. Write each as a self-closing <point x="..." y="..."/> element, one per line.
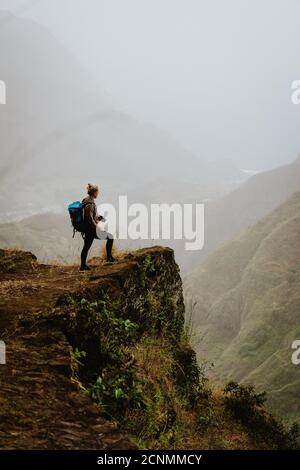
<point x="57" y="123"/>
<point x="239" y="209"/>
<point x="248" y="303"/>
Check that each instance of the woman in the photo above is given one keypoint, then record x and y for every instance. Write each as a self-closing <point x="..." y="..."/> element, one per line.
<point x="90" y="221"/>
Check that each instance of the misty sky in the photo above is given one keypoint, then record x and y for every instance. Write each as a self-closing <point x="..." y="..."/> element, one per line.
<point x="215" y="74"/>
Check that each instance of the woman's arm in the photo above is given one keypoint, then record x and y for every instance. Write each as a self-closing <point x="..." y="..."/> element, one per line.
<point x="89" y="215"/>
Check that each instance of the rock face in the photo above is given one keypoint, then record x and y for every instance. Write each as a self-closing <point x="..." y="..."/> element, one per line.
<point x="41" y="405"/>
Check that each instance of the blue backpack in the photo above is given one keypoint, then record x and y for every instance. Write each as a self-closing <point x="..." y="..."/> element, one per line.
<point x="76" y="214"/>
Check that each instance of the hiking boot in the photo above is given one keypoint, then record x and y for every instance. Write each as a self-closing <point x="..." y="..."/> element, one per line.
<point x="84" y="268"/>
<point x="110" y="259"/>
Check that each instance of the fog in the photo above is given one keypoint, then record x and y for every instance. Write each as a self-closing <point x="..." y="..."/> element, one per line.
<point x="185" y="115"/>
<point x="162" y="101"/>
<point x="215" y="75"/>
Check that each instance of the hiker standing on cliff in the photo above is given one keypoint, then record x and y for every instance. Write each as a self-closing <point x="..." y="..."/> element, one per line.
<point x="91" y="228"/>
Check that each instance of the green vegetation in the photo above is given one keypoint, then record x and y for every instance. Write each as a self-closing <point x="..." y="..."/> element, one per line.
<point x="152" y="385"/>
<point x="247" y="406"/>
<point x="148" y="264"/>
<point x="247" y="304"/>
<point x="104" y="366"/>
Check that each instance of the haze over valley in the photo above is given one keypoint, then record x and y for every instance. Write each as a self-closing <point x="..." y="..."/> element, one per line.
<point x="165" y="102"/>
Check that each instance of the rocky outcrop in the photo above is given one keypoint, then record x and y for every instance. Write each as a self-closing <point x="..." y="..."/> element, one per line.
<point x="41" y="405"/>
<point x="102" y="360"/>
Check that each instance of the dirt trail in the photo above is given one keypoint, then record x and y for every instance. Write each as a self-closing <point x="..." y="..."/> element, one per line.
<point x="40" y="407"/>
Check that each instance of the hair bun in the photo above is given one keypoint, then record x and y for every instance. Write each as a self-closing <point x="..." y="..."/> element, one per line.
<point x="92" y="188"/>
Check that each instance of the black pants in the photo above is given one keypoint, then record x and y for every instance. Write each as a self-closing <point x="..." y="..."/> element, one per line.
<point x="88" y="241"/>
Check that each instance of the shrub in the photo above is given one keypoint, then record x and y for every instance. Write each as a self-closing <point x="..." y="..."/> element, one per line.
<point x="105" y="364"/>
<point x="247" y="406"/>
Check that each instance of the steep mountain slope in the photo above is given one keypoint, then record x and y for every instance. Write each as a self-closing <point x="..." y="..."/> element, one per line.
<point x="246" y="301"/>
<point x="227" y="216"/>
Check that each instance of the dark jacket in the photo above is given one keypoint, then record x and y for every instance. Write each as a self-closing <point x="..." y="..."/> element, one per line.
<point x="90" y="215"/>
